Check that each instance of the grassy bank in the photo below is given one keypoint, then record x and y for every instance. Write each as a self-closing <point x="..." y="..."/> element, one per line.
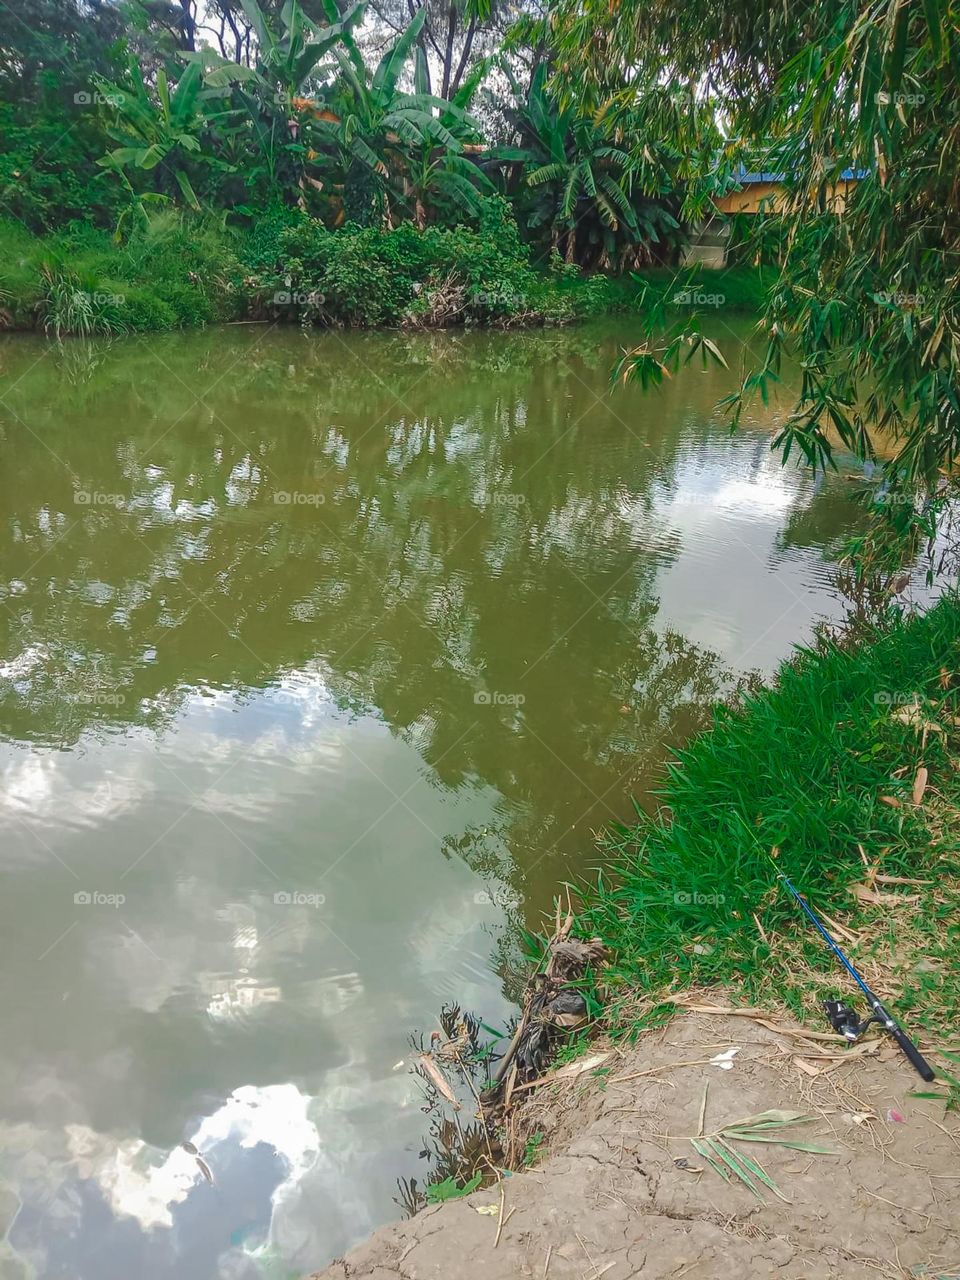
<point x="822" y="769"/>
<point x="178" y="271"/>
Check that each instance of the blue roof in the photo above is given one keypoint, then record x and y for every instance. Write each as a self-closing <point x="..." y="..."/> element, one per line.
<point x="745" y="179"/>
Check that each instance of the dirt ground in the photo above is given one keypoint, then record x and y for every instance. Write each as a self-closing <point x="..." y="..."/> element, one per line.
<point x="622" y="1193"/>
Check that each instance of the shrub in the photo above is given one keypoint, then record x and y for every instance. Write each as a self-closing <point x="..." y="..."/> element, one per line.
<point x="364" y="276"/>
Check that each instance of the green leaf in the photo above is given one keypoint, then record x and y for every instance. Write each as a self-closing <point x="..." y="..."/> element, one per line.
<point x="188" y="192"/>
<point x="931" y="9"/>
<point x="757" y="1171"/>
<point x="391" y="64"/>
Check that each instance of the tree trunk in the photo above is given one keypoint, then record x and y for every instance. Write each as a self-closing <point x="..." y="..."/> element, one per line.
<point x="448" y="52"/>
<point x="188" y="26"/>
<point x="464" y="57"/>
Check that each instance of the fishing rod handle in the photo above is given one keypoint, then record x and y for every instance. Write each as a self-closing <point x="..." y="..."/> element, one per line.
<point x="912" y="1053"/>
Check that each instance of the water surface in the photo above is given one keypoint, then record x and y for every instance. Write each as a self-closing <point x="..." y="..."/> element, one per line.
<point x="321" y="660"/>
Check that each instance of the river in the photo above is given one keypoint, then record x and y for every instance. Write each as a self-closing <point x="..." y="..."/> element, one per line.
<point x="322" y="659"/>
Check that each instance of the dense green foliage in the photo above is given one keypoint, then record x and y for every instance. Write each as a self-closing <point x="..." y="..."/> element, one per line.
<point x="820" y="770"/>
<point x="179" y="270"/>
<point x="867" y="296"/>
<point x="113" y="115"/>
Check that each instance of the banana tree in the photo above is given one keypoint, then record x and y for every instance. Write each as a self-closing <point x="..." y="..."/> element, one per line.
<point x="290" y="50"/>
<point x="580" y="180"/>
<point x="282" y="95"/>
<point x="395" y="144"/>
<point x="157" y="135"/>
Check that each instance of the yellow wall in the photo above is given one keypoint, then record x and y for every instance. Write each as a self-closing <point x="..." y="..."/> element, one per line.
<point x="770" y="196"/>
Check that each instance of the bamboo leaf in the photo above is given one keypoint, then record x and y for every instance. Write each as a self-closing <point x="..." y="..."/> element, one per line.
<point x="703" y="1150"/>
<point x="758" y="1172"/>
<point x="729" y="1158"/>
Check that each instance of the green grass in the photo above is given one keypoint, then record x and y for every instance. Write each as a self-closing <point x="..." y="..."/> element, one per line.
<point x="176" y="272"/>
<point x="691" y="896"/>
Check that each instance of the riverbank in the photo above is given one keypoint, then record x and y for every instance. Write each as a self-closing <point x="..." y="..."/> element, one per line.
<point x="845" y="770"/>
<point x="624" y="1192"/>
<point x="179" y="272"/>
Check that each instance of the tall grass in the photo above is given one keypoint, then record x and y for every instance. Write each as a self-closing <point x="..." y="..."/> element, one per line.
<point x="808" y="769"/>
<point x="170" y="272"/>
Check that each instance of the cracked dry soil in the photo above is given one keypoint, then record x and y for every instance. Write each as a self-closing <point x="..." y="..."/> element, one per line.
<point x="609" y="1200"/>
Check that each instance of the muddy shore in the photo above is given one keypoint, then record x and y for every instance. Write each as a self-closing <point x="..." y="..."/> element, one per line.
<point x="621" y="1191"/>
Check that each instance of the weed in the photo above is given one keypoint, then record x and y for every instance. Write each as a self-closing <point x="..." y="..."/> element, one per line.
<point x="449" y="1189"/>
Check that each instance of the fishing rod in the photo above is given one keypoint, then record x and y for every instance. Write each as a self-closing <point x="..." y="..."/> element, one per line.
<point x="842" y="1017"/>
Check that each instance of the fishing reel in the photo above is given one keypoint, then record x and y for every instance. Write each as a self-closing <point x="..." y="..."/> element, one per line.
<point x="844" y="1020"/>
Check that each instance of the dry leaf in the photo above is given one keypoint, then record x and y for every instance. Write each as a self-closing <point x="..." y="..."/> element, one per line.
<point x="919" y="785"/>
<point x="874" y="898"/>
<point x="438" y="1079"/>
<point x="569" y="1072"/>
<point x="912" y="715"/>
<point x="859" y="1117"/>
<point x="578" y="1068"/>
<point x="807" y="1067"/>
<point x="892" y="801"/>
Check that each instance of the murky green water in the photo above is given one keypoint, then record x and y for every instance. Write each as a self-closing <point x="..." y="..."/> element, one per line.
<point x="322" y="657"/>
